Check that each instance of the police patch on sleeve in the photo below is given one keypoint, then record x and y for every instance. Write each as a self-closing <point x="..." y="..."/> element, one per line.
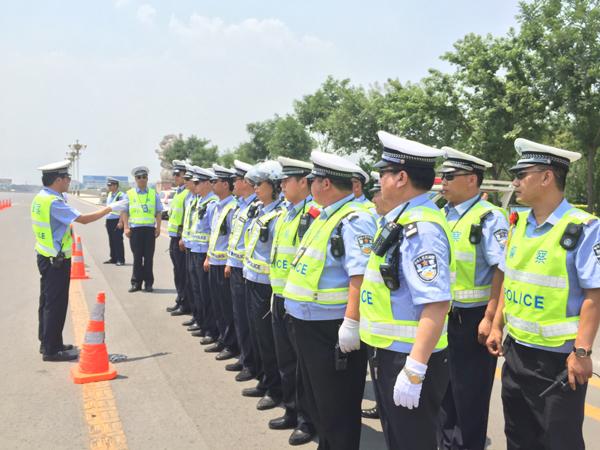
<point x="597" y="252"/>
<point x="364" y="243"/>
<point x="426" y="267"/>
<point x="501" y="236"/>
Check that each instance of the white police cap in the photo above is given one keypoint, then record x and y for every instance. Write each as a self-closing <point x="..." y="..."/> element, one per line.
<point x="61" y="167"/>
<point x="202" y="174"/>
<point x="293" y="167"/>
<point x="404" y="152"/>
<point x="376" y="182"/>
<point x="533" y="153"/>
<point x="111" y="180"/>
<point x="189" y="171"/>
<point x="331" y="165"/>
<point x="223" y="172"/>
<point x="241" y="167"/>
<point x="178" y="166"/>
<point x="457" y="160"/>
<point x="362" y="175"/>
<point x="140" y="170"/>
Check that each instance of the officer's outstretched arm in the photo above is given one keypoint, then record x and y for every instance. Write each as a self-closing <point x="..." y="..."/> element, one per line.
<point x="92" y="217"/>
<point x="429" y="330"/>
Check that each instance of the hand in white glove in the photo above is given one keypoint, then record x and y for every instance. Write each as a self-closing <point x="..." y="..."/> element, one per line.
<point x="349" y="336"/>
<point x="406" y="393"/>
<point x="118" y="206"/>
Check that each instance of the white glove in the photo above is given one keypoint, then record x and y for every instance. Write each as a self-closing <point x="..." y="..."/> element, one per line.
<point x="118" y="206"/>
<point x="349" y="335"/>
<point x="406" y="393"/>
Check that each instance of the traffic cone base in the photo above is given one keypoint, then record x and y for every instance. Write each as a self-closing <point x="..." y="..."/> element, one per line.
<point x="80" y="378"/>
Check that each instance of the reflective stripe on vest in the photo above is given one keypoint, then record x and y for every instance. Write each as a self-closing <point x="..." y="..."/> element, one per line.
<point x="378" y="326"/>
<point x="536" y="284"/>
<point x="253" y="234"/>
<point x="219" y="255"/>
<point x="303" y="280"/>
<point x="176" y="209"/>
<point x="142" y="213"/>
<point x="238" y="221"/>
<point x="40" y="222"/>
<point x="194" y="234"/>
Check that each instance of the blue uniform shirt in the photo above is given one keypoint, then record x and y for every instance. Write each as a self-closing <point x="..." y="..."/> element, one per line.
<point x="490" y="251"/>
<point x="243" y="205"/>
<point x="178" y="190"/>
<point x="110" y="198"/>
<point x="159" y="207"/>
<point x="203" y="225"/>
<point x="583" y="264"/>
<point x="222" y="241"/>
<point x="62" y="216"/>
<point x="414" y="292"/>
<point x="337" y="271"/>
<point x="361" y="199"/>
<point x="262" y="251"/>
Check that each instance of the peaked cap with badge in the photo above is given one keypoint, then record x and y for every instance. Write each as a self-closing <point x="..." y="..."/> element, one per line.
<point x="223" y="173"/>
<point x="60" y="168"/>
<point x="457" y="160"/>
<point x="140" y="170"/>
<point x="400" y="151"/>
<point x="331" y="165"/>
<point x="532" y="153"/>
<point x="294" y="167"/>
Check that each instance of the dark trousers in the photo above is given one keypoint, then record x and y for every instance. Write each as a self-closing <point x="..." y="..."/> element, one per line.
<point x="465" y="408"/>
<point x="207" y="322"/>
<point x="550" y="423"/>
<point x="194" y="266"/>
<point x="54" y="299"/>
<point x="115" y="241"/>
<point x="403" y="428"/>
<point x="179" y="271"/>
<point x="333" y="398"/>
<point x="142" y="243"/>
<point x="259" y="301"/>
<point x="286" y="351"/>
<point x="220" y="296"/>
<point x="240" y="318"/>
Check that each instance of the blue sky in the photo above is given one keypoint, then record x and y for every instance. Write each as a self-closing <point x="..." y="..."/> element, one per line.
<point x="120" y="74"/>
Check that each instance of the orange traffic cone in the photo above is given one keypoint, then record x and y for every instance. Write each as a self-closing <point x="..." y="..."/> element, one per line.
<point x="93" y="359"/>
<point x="77" y="264"/>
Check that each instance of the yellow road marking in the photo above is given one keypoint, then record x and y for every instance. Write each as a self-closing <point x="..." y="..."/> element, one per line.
<point x="100" y="409"/>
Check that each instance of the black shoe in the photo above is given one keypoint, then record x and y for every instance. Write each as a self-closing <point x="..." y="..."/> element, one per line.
<point x="170" y="309"/>
<point x="108" y="261"/>
<point x="119" y="263"/>
<point x="199" y="333"/>
<point x="267" y="402"/>
<point x="189" y="323"/>
<point x="371" y="413"/>
<point x="244" y="375"/>
<point x="285" y="422"/>
<point x="217" y="347"/>
<point x="194" y="327"/>
<point x="148" y="289"/>
<point x="301" y="435"/>
<point x="253" y="392"/>
<point x="225" y="355"/>
<point x="61" y="356"/>
<point x="234" y="367"/>
<point x="135" y="288"/>
<point x="65" y="348"/>
<point x="179" y="312"/>
<point x="207" y="340"/>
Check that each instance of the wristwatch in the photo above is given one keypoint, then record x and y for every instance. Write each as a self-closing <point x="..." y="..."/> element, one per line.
<point x="581" y="352"/>
<point x="413" y="377"/>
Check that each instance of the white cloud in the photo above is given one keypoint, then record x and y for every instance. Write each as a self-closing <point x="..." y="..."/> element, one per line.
<point x="120" y="3"/>
<point x="146" y="14"/>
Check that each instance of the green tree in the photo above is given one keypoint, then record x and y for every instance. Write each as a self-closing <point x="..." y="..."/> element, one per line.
<point x="289" y="138"/>
<point x="177" y="150"/>
<point x="201" y="152"/>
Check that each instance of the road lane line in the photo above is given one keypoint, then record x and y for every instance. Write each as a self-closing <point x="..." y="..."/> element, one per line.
<point x="99" y="406"/>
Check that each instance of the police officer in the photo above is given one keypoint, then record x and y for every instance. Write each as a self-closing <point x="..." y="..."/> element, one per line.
<point x="114" y="224"/>
<point x="51" y="218"/>
<point x="142" y="218"/>
<point x="288" y="232"/>
<point x="220" y="291"/>
<point x="479" y="231"/>
<point x="247" y="205"/>
<point x="359" y="180"/>
<point x="199" y="235"/>
<point x="322" y="295"/>
<point x="405" y="297"/>
<point x="174" y="228"/>
<point x="550" y="304"/>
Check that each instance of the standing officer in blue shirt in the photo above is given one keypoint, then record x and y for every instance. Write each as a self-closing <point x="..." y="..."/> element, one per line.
<point x="220" y="291"/>
<point x="51" y="219"/>
<point x="322" y="296"/>
<point x="479" y="231"/>
<point x="405" y="297"/>
<point x="114" y="224"/>
<point x="550" y="306"/>
<point x="142" y="219"/>
<point x="247" y="205"/>
<point x="359" y="180"/>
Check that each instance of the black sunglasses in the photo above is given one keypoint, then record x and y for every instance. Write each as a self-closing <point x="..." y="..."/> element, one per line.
<point x="452" y="176"/>
<point x="139" y="177"/>
<point x="523" y="173"/>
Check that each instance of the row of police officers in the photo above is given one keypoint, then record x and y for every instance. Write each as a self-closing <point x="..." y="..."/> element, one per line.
<point x="286" y="266"/>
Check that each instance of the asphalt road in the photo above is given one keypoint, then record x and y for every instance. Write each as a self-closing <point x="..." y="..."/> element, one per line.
<point x="169" y="393"/>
